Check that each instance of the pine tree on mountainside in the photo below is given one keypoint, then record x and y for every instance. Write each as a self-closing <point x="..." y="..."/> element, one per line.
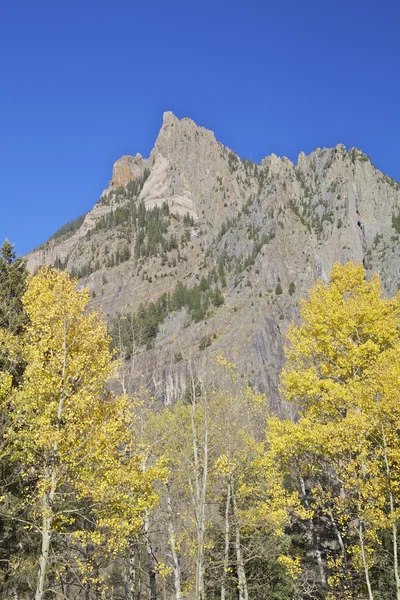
<point x="13" y="319"/>
<point x="13" y="276"/>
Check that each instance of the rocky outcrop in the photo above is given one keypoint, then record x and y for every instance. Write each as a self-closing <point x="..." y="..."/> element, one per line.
<point x="127" y="169"/>
<point x="262" y="233"/>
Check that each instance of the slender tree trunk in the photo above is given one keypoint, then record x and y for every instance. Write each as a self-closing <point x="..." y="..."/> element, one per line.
<point x="203" y="513"/>
<point x="176" y="565"/>
<point x="197" y="493"/>
<point x="131" y="576"/>
<point x="138" y="586"/>
<point x="47" y="523"/>
<point x="150" y="561"/>
<point x="227" y="542"/>
<point x="44" y="555"/>
<point x="393" y="516"/>
<point x="200" y="479"/>
<point x="361" y="525"/>
<point x="364" y="560"/>
<point x="314" y="535"/>
<point x="48" y="497"/>
<point x="243" y="591"/>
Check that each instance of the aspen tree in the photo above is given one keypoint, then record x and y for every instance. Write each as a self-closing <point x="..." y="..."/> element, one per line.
<point x="342" y="371"/>
<point x="66" y="430"/>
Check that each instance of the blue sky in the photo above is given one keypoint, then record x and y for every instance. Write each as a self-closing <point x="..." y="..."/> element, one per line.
<point x="83" y="82"/>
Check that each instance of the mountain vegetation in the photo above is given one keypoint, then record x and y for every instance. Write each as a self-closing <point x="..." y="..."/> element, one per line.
<point x="109" y="494"/>
<point x="199" y="384"/>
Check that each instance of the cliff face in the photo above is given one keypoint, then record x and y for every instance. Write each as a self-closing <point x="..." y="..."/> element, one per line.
<point x="127" y="169"/>
<point x="260" y="234"/>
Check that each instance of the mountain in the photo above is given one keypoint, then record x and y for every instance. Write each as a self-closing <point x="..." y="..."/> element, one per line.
<point x="205" y="253"/>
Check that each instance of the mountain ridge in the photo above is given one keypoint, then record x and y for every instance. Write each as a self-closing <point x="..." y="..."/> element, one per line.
<point x="258" y="234"/>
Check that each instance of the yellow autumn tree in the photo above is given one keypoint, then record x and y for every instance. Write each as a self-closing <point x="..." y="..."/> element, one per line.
<point x="342" y="371"/>
<point x="222" y="508"/>
<point x="255" y="505"/>
<point x="67" y="431"/>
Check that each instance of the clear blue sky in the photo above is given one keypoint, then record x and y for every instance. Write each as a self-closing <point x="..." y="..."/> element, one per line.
<point x="83" y="82"/>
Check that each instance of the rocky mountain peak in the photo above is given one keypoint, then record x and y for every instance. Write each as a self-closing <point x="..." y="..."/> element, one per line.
<point x="179" y="134"/>
<point x="244" y="240"/>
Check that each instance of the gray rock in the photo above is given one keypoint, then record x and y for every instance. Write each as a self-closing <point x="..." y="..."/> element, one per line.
<point x="268" y="223"/>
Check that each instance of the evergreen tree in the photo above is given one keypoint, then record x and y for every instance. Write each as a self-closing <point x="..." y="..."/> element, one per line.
<point x="218" y="298"/>
<point x="13" y="276"/>
<point x="204" y="284"/>
<point x="179" y="297"/>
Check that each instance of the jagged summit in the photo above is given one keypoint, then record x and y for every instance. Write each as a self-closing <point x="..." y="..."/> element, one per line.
<point x="253" y="237"/>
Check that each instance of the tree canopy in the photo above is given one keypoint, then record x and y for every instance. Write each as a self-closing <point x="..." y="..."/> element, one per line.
<point x="116" y="496"/>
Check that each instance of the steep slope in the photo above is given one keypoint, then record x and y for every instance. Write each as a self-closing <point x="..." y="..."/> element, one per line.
<point x="244" y="240"/>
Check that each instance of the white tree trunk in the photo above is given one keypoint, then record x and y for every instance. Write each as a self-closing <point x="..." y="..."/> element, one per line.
<point x="48" y="497"/>
<point x="200" y="480"/>
<point x="364" y="559"/>
<point x="150" y="561"/>
<point x="132" y="575"/>
<point x="44" y="556"/>
<point x="242" y="580"/>
<point x="393" y="516"/>
<point x="314" y="534"/>
<point x="227" y="542"/>
<point x="176" y="566"/>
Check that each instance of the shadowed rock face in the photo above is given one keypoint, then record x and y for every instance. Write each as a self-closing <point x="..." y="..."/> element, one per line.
<point x="255" y="229"/>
